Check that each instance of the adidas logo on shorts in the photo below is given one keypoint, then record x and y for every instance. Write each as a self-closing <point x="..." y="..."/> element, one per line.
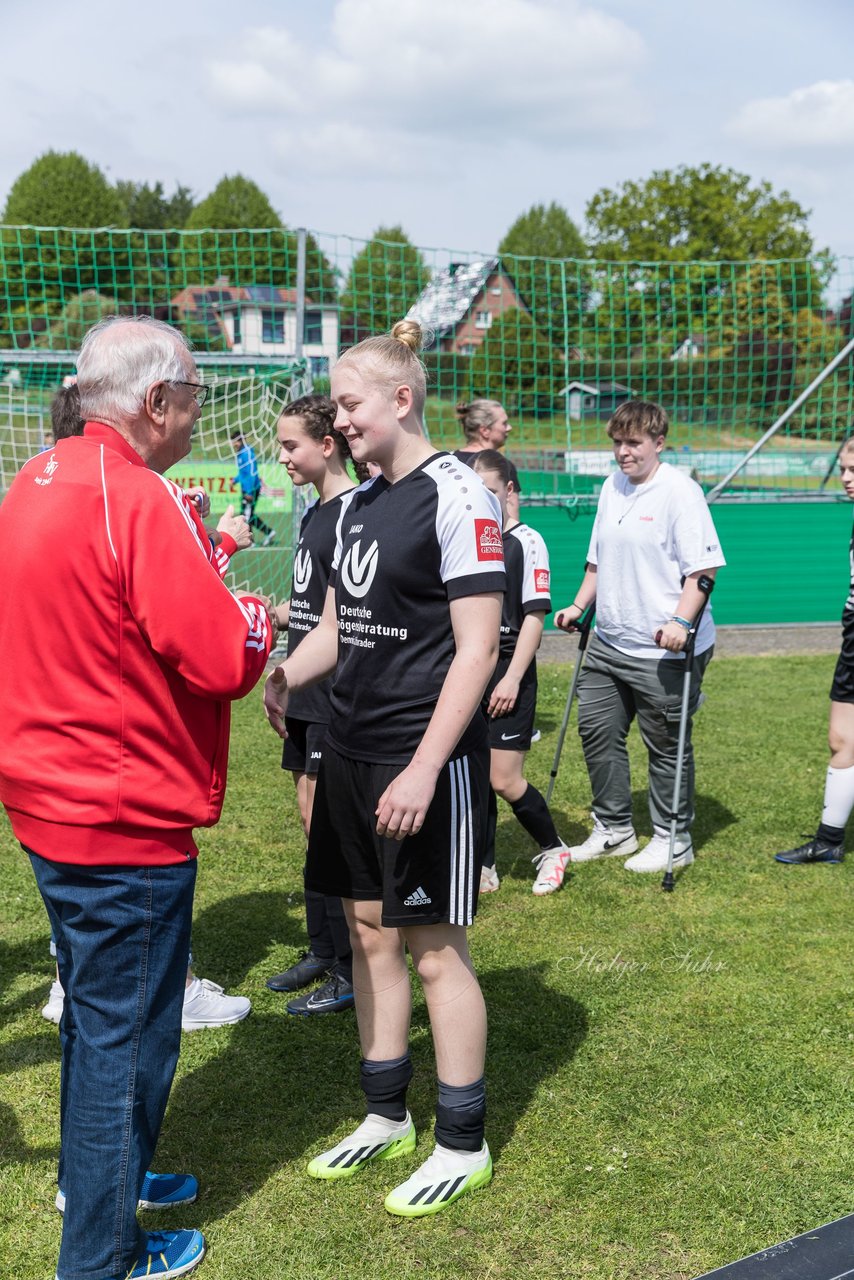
<point x="417" y="899"/>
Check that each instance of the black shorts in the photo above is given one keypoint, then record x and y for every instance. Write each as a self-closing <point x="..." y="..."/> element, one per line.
<point x="302" y="751"/>
<point x="430" y="878"/>
<point x="513" y="732"/>
<point x="842" y="688"/>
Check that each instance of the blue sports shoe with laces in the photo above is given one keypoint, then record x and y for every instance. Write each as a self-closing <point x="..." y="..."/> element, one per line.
<point x="159" y="1191"/>
<point x="166" y="1254"/>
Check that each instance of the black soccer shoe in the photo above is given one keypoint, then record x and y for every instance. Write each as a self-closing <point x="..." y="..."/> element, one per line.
<point x="307" y="970"/>
<point x="815" y="850"/>
<point x="334" y="996"/>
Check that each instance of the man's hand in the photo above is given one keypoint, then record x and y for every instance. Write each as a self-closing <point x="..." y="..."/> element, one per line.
<point x="201" y="500"/>
<point x="276" y="700"/>
<point x="672" y="636"/>
<point x="404" y="803"/>
<point x="235" y="526"/>
<point x="503" y="697"/>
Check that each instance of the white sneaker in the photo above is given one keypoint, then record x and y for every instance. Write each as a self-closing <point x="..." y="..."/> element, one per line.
<point x="443" y="1178"/>
<point x="52" y="1011"/>
<point x="551" y="868"/>
<point x="489" y="881"/>
<point x="207" y="1005"/>
<point x="604" y="842"/>
<point x="376" y="1138"/>
<point x="653" y="857"/>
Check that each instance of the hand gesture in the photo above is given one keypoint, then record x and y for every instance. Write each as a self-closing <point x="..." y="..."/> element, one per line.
<point x="236" y="527"/>
<point x="404" y="803"/>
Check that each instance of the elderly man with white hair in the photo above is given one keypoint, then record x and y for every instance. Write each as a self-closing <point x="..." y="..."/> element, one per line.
<point x="114" y="749"/>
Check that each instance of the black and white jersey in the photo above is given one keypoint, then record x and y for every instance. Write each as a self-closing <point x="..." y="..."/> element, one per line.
<point x="312" y="565"/>
<point x="469" y="456"/>
<point x="404" y="552"/>
<point x="848" y="611"/>
<point x="526" y="561"/>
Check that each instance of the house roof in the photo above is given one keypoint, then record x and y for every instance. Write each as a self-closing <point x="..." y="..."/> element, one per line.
<point x="448" y="297"/>
<point x="597" y="388"/>
<point x="199" y="297"/>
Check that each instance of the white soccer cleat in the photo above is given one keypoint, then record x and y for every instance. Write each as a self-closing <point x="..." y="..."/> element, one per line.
<point x="604" y="842"/>
<point x="376" y="1138"/>
<point x="551" y="867"/>
<point x="52" y="1011"/>
<point x="653" y="857"/>
<point x="442" y="1178"/>
<point x="489" y="881"/>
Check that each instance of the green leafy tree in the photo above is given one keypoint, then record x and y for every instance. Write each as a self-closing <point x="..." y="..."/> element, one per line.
<point x="236" y="234"/>
<point x="67" y="331"/>
<point x="517" y="365"/>
<point x="385" y="279"/>
<point x="543" y="253"/>
<point x="149" y="207"/>
<point x="52" y="246"/>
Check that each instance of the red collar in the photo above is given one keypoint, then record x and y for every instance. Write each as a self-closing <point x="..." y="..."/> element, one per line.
<point x="101" y="433"/>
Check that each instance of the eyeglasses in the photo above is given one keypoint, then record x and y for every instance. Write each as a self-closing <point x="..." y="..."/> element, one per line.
<point x="199" y="390"/>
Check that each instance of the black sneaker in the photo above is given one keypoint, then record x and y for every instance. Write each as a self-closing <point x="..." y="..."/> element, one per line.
<point x="334" y="996"/>
<point x="307" y="970"/>
<point x="815" y="850"/>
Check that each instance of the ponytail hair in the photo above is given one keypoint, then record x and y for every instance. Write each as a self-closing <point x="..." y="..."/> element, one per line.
<point x="317" y="415"/>
<point x="392" y="359"/>
<point x="474" y="415"/>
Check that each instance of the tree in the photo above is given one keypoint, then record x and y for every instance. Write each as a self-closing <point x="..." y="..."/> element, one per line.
<point x="61" y="189"/>
<point x="149" y="208"/>
<point x="385" y="279"/>
<point x="236" y="234"/>
<point x="697" y="214"/>
<point x="517" y="365"/>
<point x="542" y="253"/>
<point x="78" y="315"/>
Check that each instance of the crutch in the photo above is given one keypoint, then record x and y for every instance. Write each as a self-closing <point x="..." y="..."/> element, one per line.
<point x="583" y="629"/>
<point x="705" y="583"/>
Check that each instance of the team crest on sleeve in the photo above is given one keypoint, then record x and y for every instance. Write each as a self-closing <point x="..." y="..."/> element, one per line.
<point x="357" y="571"/>
<point x="302" y="572"/>
<point x="488" y="540"/>
<point x="47" y="475"/>
<point x="541" y="581"/>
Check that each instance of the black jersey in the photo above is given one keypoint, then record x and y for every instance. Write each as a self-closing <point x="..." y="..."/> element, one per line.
<point x="404" y="552"/>
<point x="527" y="562"/>
<point x="848" y="610"/>
<point x="469" y="457"/>
<point x="312" y="566"/>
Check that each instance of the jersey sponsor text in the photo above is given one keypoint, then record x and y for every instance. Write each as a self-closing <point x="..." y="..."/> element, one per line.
<point x="488" y="539"/>
<point x="541" y="580"/>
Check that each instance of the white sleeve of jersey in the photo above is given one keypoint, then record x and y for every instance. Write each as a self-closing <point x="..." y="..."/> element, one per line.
<point x="468" y="530"/>
<point x="535" y="586"/>
<point x="695" y="539"/>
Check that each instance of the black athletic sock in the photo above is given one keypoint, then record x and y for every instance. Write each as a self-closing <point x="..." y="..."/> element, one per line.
<point x="460" y="1115"/>
<point x="491" y="826"/>
<point x="320" y="937"/>
<point x="833" y="835"/>
<point x="384" y="1085"/>
<point x="339" y="931"/>
<point x="533" y="813"/>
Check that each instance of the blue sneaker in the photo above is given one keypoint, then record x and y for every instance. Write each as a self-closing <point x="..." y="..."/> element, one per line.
<point x="168" y="1253"/>
<point x="159" y="1191"/>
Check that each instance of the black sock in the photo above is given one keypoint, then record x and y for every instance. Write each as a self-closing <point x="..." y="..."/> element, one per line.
<point x="384" y="1085"/>
<point x="533" y="813"/>
<point x="460" y="1115"/>
<point x="491" y="825"/>
<point x="320" y="941"/>
<point x="833" y="835"/>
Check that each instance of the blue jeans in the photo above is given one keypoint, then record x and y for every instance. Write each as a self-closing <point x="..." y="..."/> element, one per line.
<point x="122" y="936"/>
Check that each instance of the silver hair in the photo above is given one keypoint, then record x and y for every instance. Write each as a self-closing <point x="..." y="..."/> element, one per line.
<point x="120" y="358"/>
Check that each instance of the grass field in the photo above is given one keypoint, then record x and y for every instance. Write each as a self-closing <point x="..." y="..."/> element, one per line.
<point x="670" y="1080"/>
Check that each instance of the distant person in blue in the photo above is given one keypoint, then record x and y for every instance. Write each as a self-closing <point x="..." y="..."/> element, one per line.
<point x="249" y="480"/>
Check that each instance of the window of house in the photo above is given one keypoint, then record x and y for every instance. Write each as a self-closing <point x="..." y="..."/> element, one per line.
<point x="313" y="330"/>
<point x="273" y="326"/>
<point x="496" y="291"/>
<point x="483" y="319"/>
<point x="466" y="348"/>
<point x="236" y="315"/>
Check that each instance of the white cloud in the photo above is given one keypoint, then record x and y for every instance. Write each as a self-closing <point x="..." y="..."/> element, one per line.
<point x="818" y="115"/>
<point x="445" y="74"/>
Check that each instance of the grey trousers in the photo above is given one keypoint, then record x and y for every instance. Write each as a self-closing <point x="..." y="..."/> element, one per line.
<point x="613" y="689"/>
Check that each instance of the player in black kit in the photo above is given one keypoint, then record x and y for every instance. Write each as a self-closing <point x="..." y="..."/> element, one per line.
<point x="511" y="695"/>
<point x="313" y="452"/>
<point x="412" y="621"/>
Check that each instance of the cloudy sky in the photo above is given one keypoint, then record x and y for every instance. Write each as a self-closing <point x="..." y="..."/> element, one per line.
<point x="449" y="117"/>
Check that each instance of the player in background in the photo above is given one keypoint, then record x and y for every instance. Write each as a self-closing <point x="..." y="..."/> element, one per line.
<point x="314" y="453"/>
<point x="828" y="843"/>
<point x="510" y="700"/>
<point x="410" y="628"/>
<point x="249" y="479"/>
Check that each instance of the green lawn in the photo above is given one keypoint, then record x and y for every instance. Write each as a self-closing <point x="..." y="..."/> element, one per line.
<point x="669" y="1077"/>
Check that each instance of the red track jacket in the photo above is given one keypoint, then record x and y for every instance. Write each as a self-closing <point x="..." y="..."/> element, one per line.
<point x="121" y="650"/>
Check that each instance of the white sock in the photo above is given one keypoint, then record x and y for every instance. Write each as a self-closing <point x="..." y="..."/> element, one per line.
<point x="838" y="797"/>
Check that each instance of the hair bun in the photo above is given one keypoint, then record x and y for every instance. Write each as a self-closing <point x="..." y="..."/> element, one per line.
<point x="409" y="333"/>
